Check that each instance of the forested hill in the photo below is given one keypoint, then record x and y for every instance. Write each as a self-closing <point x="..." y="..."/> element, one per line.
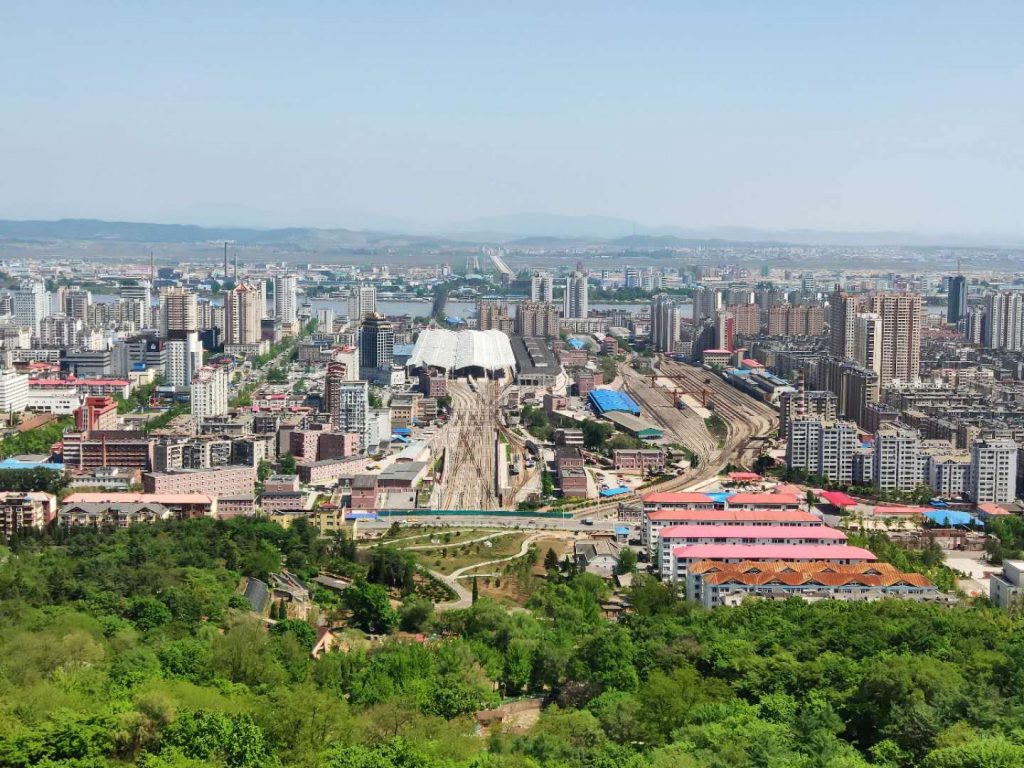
<point x="134" y="648"/>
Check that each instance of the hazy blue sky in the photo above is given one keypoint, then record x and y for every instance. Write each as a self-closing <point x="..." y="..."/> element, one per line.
<point x="873" y="115"/>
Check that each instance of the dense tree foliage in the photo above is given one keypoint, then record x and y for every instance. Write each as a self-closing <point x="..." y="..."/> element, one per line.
<point x="134" y="647"/>
<point x="1008" y="543"/>
<point x="38" y="440"/>
<point x="35" y="479"/>
<point x="927" y="561"/>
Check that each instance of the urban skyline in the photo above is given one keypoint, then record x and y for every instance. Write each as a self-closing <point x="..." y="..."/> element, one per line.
<point x="512" y="385"/>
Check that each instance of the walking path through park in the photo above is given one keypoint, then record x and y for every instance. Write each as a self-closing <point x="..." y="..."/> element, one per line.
<point x="465" y="598"/>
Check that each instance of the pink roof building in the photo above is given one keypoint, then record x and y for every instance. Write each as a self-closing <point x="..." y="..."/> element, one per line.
<point x="676" y="538"/>
<point x="764" y="500"/>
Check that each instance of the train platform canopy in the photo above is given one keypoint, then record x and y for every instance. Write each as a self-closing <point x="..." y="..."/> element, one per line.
<point x="837" y="499"/>
<point x="606" y="400"/>
<point x="453" y="351"/>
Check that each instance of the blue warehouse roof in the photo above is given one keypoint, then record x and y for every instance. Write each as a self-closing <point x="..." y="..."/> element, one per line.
<point x="605" y="400"/>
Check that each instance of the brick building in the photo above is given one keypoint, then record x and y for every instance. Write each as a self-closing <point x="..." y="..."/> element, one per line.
<point x="231" y="480"/>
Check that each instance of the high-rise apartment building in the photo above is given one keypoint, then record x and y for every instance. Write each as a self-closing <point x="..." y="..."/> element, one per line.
<point x="493" y="315"/>
<point x="732" y="296"/>
<point x="31" y="304"/>
<point x="856" y="387"/>
<point x="184" y="358"/>
<point x="819" y="404"/>
<point x="362" y="301"/>
<point x="725" y="330"/>
<point x="285" y="298"/>
<point x="243" y="311"/>
<point x="208" y="315"/>
<point x="747" y="319"/>
<point x="542" y="287"/>
<point x="537" y="319"/>
<point x="179" y="312"/>
<point x="325" y="319"/>
<point x="1003" y="321"/>
<point x="336" y="375"/>
<point x="823" y="448"/>
<point x="706" y="302"/>
<point x="666" y="319"/>
<point x="897" y="460"/>
<point x="76" y="303"/>
<point x="796" y="320"/>
<point x="867" y="341"/>
<point x="209" y="392"/>
<point x="348" y="358"/>
<point x="139" y="291"/>
<point x="376" y="343"/>
<point x="901" y="335"/>
<point x="575" y="302"/>
<point x="974" y="327"/>
<point x="956" y="302"/>
<point x="808" y="284"/>
<point x="992" y="476"/>
<point x="348" y="403"/>
<point x="842" y="311"/>
<point x="59" y="332"/>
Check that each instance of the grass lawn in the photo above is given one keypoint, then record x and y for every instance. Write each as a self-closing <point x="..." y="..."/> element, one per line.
<point x="454" y="556"/>
<point x="415" y="537"/>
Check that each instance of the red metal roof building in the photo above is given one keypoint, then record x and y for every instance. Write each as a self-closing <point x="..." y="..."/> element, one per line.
<point x="837" y="499"/>
<point x="717" y="583"/>
<point x="686" y="556"/>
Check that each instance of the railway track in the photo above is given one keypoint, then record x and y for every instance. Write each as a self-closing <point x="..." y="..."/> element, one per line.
<point x="747" y="420"/>
<point x="469" y="454"/>
<point x="469" y="444"/>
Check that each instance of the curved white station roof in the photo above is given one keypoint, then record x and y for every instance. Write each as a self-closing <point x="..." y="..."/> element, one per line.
<point x="452" y="350"/>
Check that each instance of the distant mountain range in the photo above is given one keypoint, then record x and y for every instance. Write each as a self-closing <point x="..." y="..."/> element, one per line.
<point x="528" y="225"/>
<point x="531" y="229"/>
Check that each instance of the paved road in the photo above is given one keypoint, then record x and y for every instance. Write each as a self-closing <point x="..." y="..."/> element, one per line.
<point x="485" y="521"/>
<point x="464" y="599"/>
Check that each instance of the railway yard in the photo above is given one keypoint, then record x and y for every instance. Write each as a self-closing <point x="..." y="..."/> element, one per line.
<point x="479" y="450"/>
<point x="486" y="463"/>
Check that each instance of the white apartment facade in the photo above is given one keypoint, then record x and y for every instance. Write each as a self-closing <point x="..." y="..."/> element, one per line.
<point x="993" y="471"/>
<point x="13" y="391"/>
<point x="284" y="298"/>
<point x="209" y="392"/>
<point x="822" y="447"/>
<point x="362" y="301"/>
<point x="897" y="460"/>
